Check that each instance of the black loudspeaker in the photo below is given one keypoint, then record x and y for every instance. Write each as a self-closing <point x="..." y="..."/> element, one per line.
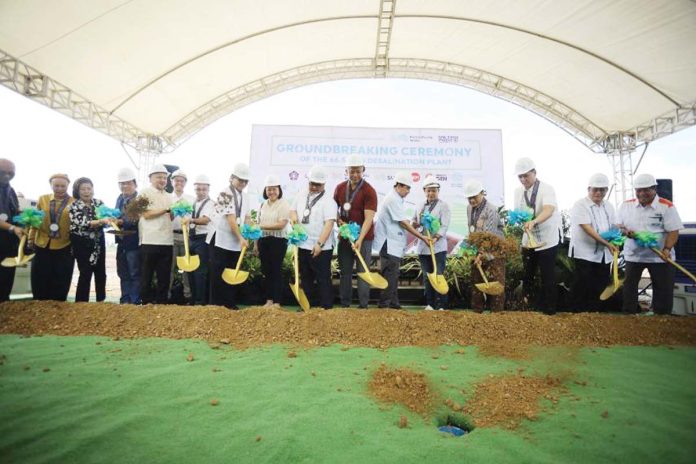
<point x="171" y="168"/>
<point x="664" y="188"/>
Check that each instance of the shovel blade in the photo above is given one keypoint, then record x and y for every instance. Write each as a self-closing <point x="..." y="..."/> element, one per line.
<point x="491" y="288"/>
<point x="610" y="290"/>
<point x="374" y="279"/>
<point x="234" y="278"/>
<point x="300" y="297"/>
<point x="439" y="283"/>
<point x="188" y="265"/>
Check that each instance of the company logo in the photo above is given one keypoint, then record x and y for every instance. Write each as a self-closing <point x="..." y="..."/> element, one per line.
<point x="294" y="175"/>
<point x="415" y="176"/>
<point x="419" y="138"/>
<point x="448" y="138"/>
<point x="441" y="177"/>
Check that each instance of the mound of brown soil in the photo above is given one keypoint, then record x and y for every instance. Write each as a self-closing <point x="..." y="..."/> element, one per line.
<point x="403" y="386"/>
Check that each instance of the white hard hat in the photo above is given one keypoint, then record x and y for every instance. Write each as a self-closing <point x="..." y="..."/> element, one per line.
<point x="202" y="179"/>
<point x="472" y="188"/>
<point x="598" y="180"/>
<point x="644" y="181"/>
<point x="241" y="170"/>
<point x="271" y="180"/>
<point x="126" y="174"/>
<point x="430" y="181"/>
<point x="523" y="166"/>
<point x="157" y="169"/>
<point x="404" y="177"/>
<point x="317" y="175"/>
<point x="179" y="173"/>
<point x="354" y="160"/>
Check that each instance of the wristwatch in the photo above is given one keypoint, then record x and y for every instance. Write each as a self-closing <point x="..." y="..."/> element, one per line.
<point x="321" y="245"/>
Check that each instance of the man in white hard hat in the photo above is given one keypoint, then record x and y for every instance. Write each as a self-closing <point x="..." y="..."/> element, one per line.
<point x="156" y="238"/>
<point x="179" y="181"/>
<point x="316" y="211"/>
<point x="649" y="213"/>
<point x="439" y="209"/>
<point x="539" y="197"/>
<point x="199" y="225"/>
<point x="357" y="202"/>
<point x="225" y="237"/>
<point x="592" y="255"/>
<point x="9" y="234"/>
<point x="127" y="248"/>
<point x="483" y="216"/>
<point x="390" y="237"/>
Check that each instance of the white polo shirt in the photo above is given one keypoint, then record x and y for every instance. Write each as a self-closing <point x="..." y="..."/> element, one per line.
<point x="392" y="210"/>
<point x="601" y="218"/>
<point x="442" y="212"/>
<point x="202" y="210"/>
<point x="658" y="217"/>
<point x="323" y="210"/>
<point x="548" y="232"/>
<point x="224" y="238"/>
<point x="156" y="231"/>
<point x="176" y="222"/>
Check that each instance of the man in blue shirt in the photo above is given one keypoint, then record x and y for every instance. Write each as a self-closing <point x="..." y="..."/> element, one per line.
<point x="127" y="251"/>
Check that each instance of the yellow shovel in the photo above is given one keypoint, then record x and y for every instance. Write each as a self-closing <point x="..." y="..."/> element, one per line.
<point x="436" y="280"/>
<point x="235" y="276"/>
<point x="531" y="242"/>
<point x="669" y="260"/>
<point x="21" y="259"/>
<point x="489" y="288"/>
<point x="372" y="278"/>
<point x="296" y="289"/>
<point x="616" y="283"/>
<point x="188" y="263"/>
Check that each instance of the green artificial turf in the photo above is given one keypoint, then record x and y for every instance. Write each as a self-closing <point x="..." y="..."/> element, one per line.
<point x="142" y="401"/>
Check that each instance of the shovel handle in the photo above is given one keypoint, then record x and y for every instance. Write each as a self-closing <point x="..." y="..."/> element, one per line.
<point x="483" y="274"/>
<point x="185" y="232"/>
<point x="115" y="226"/>
<point x="296" y="266"/>
<point x="20" y="250"/>
<point x="239" y="261"/>
<point x="360" y="258"/>
<point x="530" y="239"/>
<point x="615" y="269"/>
<point x="432" y="252"/>
<point x="674" y="263"/>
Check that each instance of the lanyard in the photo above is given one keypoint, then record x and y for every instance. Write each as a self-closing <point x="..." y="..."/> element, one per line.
<point x="476" y="214"/>
<point x="531" y="203"/>
<point x="309" y="206"/>
<point x="55" y="214"/>
<point x="237" y="203"/>
<point x="595" y="221"/>
<point x="197" y="214"/>
<point x="350" y="196"/>
<point x="431" y="208"/>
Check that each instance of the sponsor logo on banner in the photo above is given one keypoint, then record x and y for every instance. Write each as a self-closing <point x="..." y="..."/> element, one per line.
<point x="415" y="176"/>
<point x="441" y="177"/>
<point x="448" y="138"/>
<point x="294" y="175"/>
<point x="419" y="138"/>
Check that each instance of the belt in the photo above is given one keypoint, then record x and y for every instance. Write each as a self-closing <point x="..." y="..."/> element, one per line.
<point x="179" y="231"/>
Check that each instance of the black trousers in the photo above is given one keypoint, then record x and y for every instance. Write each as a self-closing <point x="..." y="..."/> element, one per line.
<point x="315" y="277"/>
<point x="51" y="273"/>
<point x="155" y="260"/>
<point x="222" y="293"/>
<point x="8" y="249"/>
<point x="200" y="285"/>
<point x="545" y="261"/>
<point x="390" y="266"/>
<point x="271" y="253"/>
<point x="81" y="249"/>
<point x="590" y="280"/>
<point x="662" y="278"/>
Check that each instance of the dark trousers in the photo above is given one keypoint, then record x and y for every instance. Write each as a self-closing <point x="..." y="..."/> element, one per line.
<point x="155" y="260"/>
<point x="390" y="271"/>
<point x="128" y="270"/>
<point x="271" y="253"/>
<point x="81" y="249"/>
<point x="199" y="278"/>
<point x="590" y="280"/>
<point x="315" y="277"/>
<point x="222" y="293"/>
<point x="51" y="273"/>
<point x="346" y="261"/>
<point x="545" y="260"/>
<point x="662" y="278"/>
<point x="8" y="249"/>
<point x="433" y="298"/>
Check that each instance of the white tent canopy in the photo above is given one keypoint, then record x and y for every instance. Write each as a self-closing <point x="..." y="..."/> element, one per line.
<point x="151" y="73"/>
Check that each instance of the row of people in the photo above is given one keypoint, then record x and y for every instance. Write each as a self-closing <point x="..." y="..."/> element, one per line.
<point x="216" y="237"/>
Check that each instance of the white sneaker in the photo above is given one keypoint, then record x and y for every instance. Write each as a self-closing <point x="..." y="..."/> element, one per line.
<point x="440" y="309"/>
<point x="429" y="308"/>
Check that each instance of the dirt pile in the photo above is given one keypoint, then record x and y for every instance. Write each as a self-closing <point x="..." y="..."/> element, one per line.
<point x="403" y="386"/>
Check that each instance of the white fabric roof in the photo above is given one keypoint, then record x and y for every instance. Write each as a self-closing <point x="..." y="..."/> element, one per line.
<point x="167" y="68"/>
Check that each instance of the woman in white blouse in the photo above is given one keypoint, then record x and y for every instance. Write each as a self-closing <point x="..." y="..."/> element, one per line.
<point x="274" y="216"/>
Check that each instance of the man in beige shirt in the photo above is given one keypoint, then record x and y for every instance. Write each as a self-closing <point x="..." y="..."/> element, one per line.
<point x="156" y="238"/>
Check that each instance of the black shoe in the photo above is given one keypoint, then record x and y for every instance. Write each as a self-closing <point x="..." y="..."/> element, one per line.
<point x="393" y="306"/>
<point x="381" y="306"/>
<point x="362" y="307"/>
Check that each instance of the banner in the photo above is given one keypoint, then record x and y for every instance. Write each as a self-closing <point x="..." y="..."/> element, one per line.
<point x="453" y="156"/>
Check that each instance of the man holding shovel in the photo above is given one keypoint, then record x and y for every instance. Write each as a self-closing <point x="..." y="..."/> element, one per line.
<point x="9" y="234"/>
<point x="390" y="237"/>
<point x="591" y="253"/>
<point x="357" y="202"/>
<point x="649" y="213"/>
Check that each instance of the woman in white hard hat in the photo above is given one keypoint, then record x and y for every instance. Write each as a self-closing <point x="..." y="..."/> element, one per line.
<point x="179" y="181"/>
<point x="156" y="238"/>
<point x="225" y="238"/>
<point x="87" y="240"/>
<point x="127" y="248"/>
<point x="483" y="216"/>
<point x="52" y="268"/>
<point x="274" y="216"/>
<point x="649" y="213"/>
<point x="539" y="197"/>
<point x="390" y="237"/>
<point x="199" y="226"/>
<point x="592" y="255"/>
<point x="440" y="209"/>
<point x="316" y="211"/>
